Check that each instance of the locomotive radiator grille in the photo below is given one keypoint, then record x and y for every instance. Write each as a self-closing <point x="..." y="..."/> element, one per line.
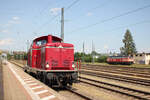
<point x="66" y="63"/>
<point x="54" y="63"/>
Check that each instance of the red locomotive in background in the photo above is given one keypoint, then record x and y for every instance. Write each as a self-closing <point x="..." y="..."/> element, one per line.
<point x="52" y="61"/>
<point x="120" y="60"/>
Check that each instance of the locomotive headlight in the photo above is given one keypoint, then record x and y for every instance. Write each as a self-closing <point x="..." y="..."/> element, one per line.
<point x="73" y="66"/>
<point x="47" y="65"/>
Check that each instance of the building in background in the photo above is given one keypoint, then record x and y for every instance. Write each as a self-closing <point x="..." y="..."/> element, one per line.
<point x="142" y="58"/>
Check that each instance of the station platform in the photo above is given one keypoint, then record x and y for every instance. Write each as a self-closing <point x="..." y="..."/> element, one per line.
<point x="18" y="85"/>
<point x="1" y="82"/>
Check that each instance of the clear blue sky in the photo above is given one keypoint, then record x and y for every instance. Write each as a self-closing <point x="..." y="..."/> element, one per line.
<point x="22" y="20"/>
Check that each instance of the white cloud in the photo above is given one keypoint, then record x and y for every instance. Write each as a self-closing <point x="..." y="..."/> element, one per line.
<point x="7" y="41"/>
<point x="141" y="50"/>
<point x="4" y="31"/>
<point x="6" y="27"/>
<point x="54" y="11"/>
<point x="106" y="47"/>
<point x="16" y="18"/>
<point x="89" y="14"/>
<point x="13" y="22"/>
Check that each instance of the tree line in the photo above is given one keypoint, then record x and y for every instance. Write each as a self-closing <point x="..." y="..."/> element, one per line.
<point x="90" y="56"/>
<point x="17" y="56"/>
<point x="77" y="56"/>
<point x="128" y="49"/>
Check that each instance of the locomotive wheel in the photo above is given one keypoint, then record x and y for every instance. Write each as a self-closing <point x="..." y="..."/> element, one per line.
<point x="45" y="80"/>
<point x="25" y="71"/>
<point x="64" y="84"/>
<point x="38" y="76"/>
<point x="50" y="83"/>
<point x="70" y="83"/>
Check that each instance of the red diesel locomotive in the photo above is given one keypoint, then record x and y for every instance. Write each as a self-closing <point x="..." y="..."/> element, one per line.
<point x="120" y="60"/>
<point x="52" y="61"/>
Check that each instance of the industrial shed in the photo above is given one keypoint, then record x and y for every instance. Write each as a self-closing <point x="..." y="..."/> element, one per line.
<point x="142" y="58"/>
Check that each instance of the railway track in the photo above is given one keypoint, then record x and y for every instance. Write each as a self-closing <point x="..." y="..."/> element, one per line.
<point x="73" y="90"/>
<point x="117" y="68"/>
<point x="138" y="74"/>
<point x="118" y="78"/>
<point x="70" y="89"/>
<point x="135" y="94"/>
<point x="1" y="81"/>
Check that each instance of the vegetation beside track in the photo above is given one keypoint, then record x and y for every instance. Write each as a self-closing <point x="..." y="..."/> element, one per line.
<point x="133" y="65"/>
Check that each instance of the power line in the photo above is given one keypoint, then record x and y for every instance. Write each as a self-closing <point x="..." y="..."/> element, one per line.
<point x="97" y="7"/>
<point x="47" y="8"/>
<point x="73" y="3"/>
<point x="134" y="24"/>
<point x="41" y="11"/>
<point x="67" y="8"/>
<point x="100" y="6"/>
<point x="112" y="18"/>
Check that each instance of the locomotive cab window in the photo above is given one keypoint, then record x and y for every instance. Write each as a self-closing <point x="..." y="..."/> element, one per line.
<point x="41" y="42"/>
<point x="38" y="43"/>
<point x="56" y="40"/>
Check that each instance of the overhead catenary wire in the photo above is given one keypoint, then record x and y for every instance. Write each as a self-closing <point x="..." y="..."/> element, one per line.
<point x="46" y="7"/>
<point x="101" y="5"/>
<point x="41" y="11"/>
<point x="112" y="18"/>
<point x="92" y="9"/>
<point x="73" y="3"/>
<point x="129" y="25"/>
<point x="54" y="17"/>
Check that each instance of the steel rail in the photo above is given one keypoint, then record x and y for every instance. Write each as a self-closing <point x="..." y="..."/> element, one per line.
<point x="130" y="92"/>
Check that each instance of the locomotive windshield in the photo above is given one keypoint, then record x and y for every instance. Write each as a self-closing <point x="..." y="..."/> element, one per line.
<point x="56" y="40"/>
<point x="41" y="42"/>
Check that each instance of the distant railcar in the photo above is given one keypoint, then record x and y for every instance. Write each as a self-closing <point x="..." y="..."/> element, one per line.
<point x="52" y="61"/>
<point x="120" y="60"/>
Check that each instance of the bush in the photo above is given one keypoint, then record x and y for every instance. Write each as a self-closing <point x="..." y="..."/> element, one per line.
<point x="88" y="58"/>
<point x="9" y="57"/>
<point x="102" y="59"/>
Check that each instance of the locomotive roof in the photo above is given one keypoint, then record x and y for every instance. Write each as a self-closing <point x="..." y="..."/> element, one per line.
<point x="45" y="37"/>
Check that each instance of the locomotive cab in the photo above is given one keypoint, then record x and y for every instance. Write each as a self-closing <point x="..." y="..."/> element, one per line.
<point x="52" y="61"/>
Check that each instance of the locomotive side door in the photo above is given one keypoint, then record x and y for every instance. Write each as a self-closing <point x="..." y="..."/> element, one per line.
<point x="43" y="57"/>
<point x="31" y="58"/>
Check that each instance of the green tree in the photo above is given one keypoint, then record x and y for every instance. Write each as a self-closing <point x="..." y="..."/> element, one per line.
<point x="25" y="56"/>
<point x="88" y="58"/>
<point x="9" y="56"/>
<point x="102" y="59"/>
<point x="77" y="56"/>
<point x="129" y="45"/>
